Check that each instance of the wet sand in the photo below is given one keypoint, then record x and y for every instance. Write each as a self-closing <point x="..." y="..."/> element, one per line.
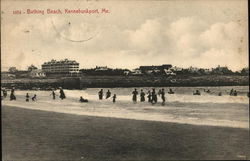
<point x="42" y="135"/>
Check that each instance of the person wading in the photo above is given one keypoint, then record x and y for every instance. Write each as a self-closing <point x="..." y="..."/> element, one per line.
<point x="27" y="97"/>
<point x="134" y="93"/>
<point x="149" y="97"/>
<point x="108" y="94"/>
<point x="100" y="94"/>
<point x="53" y="94"/>
<point x="83" y="100"/>
<point x="142" y="94"/>
<point x="4" y="93"/>
<point x="12" y="94"/>
<point x="154" y="96"/>
<point x="62" y="95"/>
<point x="114" y="97"/>
<point x="163" y="96"/>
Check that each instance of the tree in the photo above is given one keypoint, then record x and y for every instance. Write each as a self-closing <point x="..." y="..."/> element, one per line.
<point x="32" y="67"/>
<point x="245" y="71"/>
<point x="13" y="69"/>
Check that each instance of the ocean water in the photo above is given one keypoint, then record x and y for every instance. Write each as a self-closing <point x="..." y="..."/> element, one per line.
<point x="181" y="107"/>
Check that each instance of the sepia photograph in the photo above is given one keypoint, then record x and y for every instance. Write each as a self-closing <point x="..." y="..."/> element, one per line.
<point x="124" y="80"/>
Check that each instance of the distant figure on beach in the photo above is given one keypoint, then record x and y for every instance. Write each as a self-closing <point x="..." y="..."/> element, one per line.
<point x="27" y="97"/>
<point x="62" y="95"/>
<point x="149" y="96"/>
<point x="231" y="92"/>
<point x="142" y="94"/>
<point x="171" y="91"/>
<point x="83" y="100"/>
<point x="197" y="92"/>
<point x="53" y="94"/>
<point x="235" y="93"/>
<point x="108" y="94"/>
<point x="34" y="97"/>
<point x="114" y="97"/>
<point x="12" y="94"/>
<point x="220" y="94"/>
<point x="154" y="96"/>
<point x="100" y="94"/>
<point x="4" y="93"/>
<point x="163" y="96"/>
<point x="135" y="93"/>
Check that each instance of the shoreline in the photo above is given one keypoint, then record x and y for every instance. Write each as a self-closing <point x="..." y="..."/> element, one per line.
<point x="59" y="136"/>
<point x="137" y="117"/>
<point x="126" y="119"/>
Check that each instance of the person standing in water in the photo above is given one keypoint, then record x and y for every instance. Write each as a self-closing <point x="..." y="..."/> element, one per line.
<point x="149" y="96"/>
<point x="135" y="93"/>
<point x="235" y="93"/>
<point x="142" y="94"/>
<point x="197" y="92"/>
<point x="114" y="97"/>
<point x="27" y="97"/>
<point x="12" y="94"/>
<point x="53" y="94"/>
<point x="171" y="91"/>
<point x="4" y="93"/>
<point x="154" y="96"/>
<point x="100" y="94"/>
<point x="231" y="92"/>
<point x="108" y="94"/>
<point x="163" y="96"/>
<point x="62" y="95"/>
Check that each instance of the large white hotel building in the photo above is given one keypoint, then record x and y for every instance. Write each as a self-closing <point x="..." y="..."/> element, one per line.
<point x="63" y="66"/>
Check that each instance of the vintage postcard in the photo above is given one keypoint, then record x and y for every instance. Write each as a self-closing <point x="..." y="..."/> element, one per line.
<point x="124" y="80"/>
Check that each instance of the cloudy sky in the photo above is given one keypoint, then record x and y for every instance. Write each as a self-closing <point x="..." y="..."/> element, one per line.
<point x="185" y="33"/>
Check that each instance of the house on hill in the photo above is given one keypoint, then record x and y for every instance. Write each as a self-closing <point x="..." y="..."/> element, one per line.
<point x="100" y="68"/>
<point x="37" y="73"/>
<point x="161" y="69"/>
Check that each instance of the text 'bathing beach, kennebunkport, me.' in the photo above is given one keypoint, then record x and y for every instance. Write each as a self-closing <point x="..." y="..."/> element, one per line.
<point x="60" y="11"/>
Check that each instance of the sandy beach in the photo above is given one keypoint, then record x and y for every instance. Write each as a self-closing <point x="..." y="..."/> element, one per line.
<point x="42" y="135"/>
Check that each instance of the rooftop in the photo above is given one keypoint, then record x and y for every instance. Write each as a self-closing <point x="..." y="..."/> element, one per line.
<point x="65" y="61"/>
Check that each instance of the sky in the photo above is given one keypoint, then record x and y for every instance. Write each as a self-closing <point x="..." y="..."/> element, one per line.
<point x="184" y="33"/>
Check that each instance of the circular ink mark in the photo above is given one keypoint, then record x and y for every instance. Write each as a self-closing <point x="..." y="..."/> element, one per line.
<point x="69" y="39"/>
